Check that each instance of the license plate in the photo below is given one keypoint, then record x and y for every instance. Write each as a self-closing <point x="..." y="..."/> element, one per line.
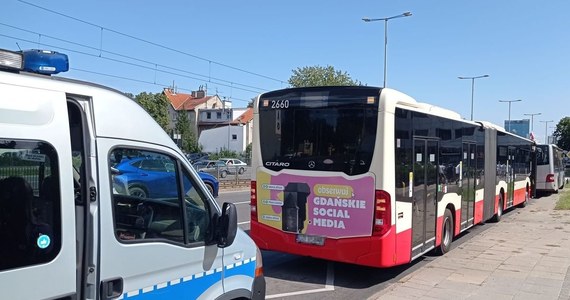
<point x="311" y="239"/>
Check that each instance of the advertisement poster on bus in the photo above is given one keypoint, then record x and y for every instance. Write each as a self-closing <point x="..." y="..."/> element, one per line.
<point x="333" y="206"/>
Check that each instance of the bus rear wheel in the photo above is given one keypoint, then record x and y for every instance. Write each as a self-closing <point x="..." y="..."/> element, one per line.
<point x="446" y="233"/>
<point x="499" y="214"/>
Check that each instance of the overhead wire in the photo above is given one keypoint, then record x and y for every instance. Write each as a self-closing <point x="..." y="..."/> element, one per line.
<point x="153" y="43"/>
<point x="141" y="81"/>
<point x="205" y="77"/>
<point x="130" y="63"/>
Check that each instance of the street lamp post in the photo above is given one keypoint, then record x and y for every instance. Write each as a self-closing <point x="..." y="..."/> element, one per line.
<point x="546" y="130"/>
<point x="554" y="129"/>
<point x="227" y="114"/>
<point x="365" y="19"/>
<point x="532" y="119"/>
<point x="472" y="87"/>
<point x="510" y="101"/>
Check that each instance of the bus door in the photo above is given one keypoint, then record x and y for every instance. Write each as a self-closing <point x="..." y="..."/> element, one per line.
<point x="533" y="163"/>
<point x="424" y="200"/>
<point x="468" y="169"/>
<point x="510" y="176"/>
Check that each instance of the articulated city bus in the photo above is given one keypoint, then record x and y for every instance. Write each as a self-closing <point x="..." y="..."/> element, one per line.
<point x="370" y="176"/>
<point x="550" y="168"/>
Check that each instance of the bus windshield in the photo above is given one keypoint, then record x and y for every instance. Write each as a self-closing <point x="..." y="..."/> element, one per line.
<point x="311" y="129"/>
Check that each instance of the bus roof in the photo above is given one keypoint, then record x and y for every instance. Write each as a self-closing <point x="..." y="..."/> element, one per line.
<point x="403" y="100"/>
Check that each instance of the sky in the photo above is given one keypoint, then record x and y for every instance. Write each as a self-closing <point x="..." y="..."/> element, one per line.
<point x="238" y="49"/>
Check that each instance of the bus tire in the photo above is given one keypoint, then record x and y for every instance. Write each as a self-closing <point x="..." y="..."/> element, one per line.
<point x="446" y="233"/>
<point x="499" y="214"/>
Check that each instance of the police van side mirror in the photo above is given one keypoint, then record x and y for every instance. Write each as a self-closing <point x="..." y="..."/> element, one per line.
<point x="227" y="225"/>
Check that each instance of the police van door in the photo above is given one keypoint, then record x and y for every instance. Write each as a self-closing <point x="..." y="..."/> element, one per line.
<point x="155" y="223"/>
<point x="37" y="224"/>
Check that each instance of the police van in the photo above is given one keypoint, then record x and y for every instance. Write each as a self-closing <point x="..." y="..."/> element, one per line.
<point x="72" y="226"/>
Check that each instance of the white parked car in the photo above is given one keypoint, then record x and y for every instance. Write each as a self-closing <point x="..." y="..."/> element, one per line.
<point x="234" y="164"/>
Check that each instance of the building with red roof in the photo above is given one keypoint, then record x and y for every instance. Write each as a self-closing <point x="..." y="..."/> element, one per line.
<point x="216" y="124"/>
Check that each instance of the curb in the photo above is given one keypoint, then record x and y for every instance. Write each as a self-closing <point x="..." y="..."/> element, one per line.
<point x="231" y="189"/>
<point x="497" y="263"/>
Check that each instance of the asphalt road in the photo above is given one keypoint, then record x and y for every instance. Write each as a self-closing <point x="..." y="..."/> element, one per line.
<point x="295" y="277"/>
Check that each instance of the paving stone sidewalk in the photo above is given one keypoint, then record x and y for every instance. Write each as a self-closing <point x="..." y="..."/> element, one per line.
<point x="525" y="256"/>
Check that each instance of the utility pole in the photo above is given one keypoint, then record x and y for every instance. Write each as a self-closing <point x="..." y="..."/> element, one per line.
<point x="531" y="120"/>
<point x="546" y="130"/>
<point x="510" y="101"/>
<point x="472" y="78"/>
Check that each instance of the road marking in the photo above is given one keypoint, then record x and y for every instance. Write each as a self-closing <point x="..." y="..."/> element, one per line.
<point x="241" y="223"/>
<point x="329" y="286"/>
<point x="243" y="202"/>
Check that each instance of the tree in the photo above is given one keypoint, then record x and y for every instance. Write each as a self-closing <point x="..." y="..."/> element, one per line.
<point x="157" y="107"/>
<point x="129" y="95"/>
<point x="248" y="149"/>
<point x="562" y="133"/>
<point x="320" y="76"/>
<point x="189" y="141"/>
<point x="223" y="153"/>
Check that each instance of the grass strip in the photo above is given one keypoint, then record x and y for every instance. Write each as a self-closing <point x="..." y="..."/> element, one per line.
<point x="563" y="199"/>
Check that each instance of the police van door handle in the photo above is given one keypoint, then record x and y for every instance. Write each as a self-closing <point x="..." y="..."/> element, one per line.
<point x="112" y="288"/>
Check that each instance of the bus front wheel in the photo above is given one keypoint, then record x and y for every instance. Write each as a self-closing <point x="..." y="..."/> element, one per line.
<point x="446" y="233"/>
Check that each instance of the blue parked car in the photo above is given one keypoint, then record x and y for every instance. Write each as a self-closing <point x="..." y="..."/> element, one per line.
<point x="153" y="178"/>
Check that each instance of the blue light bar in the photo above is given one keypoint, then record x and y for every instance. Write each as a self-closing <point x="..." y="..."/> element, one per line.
<point x="45" y="61"/>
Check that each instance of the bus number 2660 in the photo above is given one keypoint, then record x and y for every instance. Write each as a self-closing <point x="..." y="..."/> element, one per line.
<point x="280" y="104"/>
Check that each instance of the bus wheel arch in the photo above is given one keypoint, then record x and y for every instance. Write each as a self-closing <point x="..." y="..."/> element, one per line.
<point x="526" y="196"/>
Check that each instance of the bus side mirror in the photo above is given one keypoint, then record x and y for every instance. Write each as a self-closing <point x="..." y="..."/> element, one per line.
<point x="227" y="225"/>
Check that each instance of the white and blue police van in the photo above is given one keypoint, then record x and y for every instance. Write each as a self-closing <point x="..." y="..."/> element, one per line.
<point x="72" y="226"/>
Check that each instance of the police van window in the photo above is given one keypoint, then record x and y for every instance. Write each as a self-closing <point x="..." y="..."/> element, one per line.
<point x="30" y="219"/>
<point x="147" y="201"/>
<point x="197" y="211"/>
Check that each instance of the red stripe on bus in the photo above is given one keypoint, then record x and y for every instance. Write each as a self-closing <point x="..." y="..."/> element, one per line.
<point x="365" y="251"/>
<point x="478" y="218"/>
